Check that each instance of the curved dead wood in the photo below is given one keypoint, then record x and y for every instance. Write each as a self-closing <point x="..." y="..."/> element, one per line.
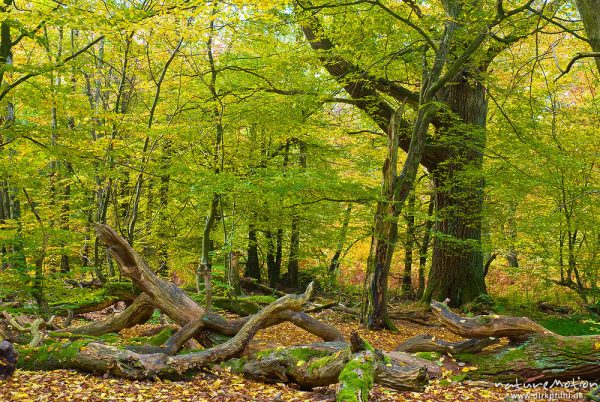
<point x="138" y="312"/>
<point x="171" y="300"/>
<point x="486" y="326"/>
<point x="428" y="343"/>
<point x="320" y="364"/>
<point x="415" y="318"/>
<point x="534" y="354"/>
<point x="99" y="358"/>
<point x="214" y="322"/>
<point x="176" y="304"/>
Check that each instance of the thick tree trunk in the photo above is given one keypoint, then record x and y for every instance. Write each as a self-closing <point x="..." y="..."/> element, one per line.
<point x="590" y="14"/>
<point x="540" y="358"/>
<point x="457" y="264"/>
<point x="233" y="272"/>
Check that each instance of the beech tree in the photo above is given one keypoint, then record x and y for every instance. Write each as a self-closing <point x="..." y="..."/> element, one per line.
<point x="452" y="152"/>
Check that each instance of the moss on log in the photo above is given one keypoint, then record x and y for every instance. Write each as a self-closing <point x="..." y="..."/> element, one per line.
<point x="87" y="355"/>
<point x="541" y="357"/>
<point x="534" y="353"/>
<point x="320" y="364"/>
<point x="357" y="378"/>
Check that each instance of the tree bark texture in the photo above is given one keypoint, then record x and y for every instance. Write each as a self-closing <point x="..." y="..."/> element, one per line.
<point x="457" y="263"/>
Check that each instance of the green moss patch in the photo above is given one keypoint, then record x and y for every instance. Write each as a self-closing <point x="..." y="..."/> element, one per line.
<point x="48" y="353"/>
<point x="429" y="355"/>
<point x="156" y="340"/>
<point x="356" y="379"/>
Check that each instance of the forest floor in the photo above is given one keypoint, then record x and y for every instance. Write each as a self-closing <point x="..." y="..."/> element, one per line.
<point x="219" y="384"/>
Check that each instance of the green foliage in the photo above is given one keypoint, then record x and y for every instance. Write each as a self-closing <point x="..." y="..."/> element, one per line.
<point x="88" y="130"/>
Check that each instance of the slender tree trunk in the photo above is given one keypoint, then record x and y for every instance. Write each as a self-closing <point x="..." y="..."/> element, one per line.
<point x="163" y="193"/>
<point x="409" y="243"/>
<point x="279" y="236"/>
<point x="511" y="255"/>
<point x="293" y="263"/>
<point x="335" y="260"/>
<point x="294" y="256"/>
<point x="424" y="248"/>
<point x="37" y="290"/>
<point x="11" y="207"/>
<point x="395" y="190"/>
<point x="204" y="268"/>
<point x="252" y="262"/>
<point x="273" y="270"/>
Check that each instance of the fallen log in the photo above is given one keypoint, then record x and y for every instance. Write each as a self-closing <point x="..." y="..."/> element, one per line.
<point x="309" y="366"/>
<point x="321" y="364"/>
<point x="553" y="308"/>
<point x="177" y="304"/>
<point x="87" y="355"/>
<point x="485" y="326"/>
<point x="357" y="377"/>
<point x="138" y="312"/>
<point x="410" y="317"/>
<point x="428" y="343"/>
<point x="32" y="328"/>
<point x="534" y="353"/>
<point x="166" y="296"/>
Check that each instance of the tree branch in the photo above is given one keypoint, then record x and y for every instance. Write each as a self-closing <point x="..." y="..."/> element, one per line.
<point x="59" y="64"/>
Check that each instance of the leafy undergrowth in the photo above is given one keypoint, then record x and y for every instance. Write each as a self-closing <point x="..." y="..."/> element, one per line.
<point x="220" y="385"/>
